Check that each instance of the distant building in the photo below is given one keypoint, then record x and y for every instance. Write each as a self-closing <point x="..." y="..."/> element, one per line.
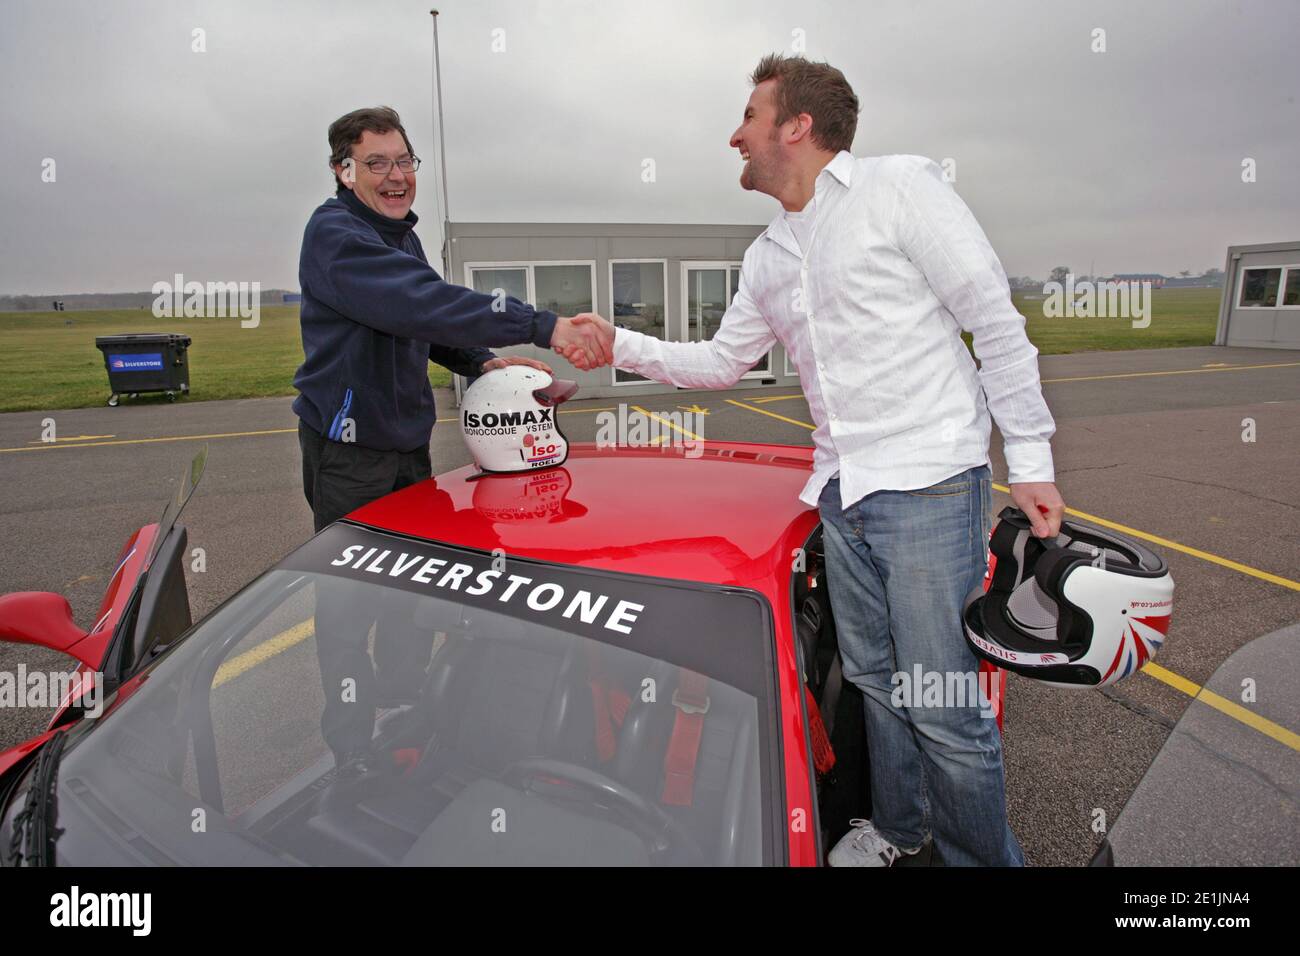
<point x="1157" y="281"/>
<point x="670" y="281"/>
<point x="1261" y="296"/>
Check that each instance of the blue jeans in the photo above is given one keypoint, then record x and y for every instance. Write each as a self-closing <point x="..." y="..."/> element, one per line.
<point x="899" y="566"/>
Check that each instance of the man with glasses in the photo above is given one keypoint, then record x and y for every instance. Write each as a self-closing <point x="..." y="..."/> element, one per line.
<point x="374" y="314"/>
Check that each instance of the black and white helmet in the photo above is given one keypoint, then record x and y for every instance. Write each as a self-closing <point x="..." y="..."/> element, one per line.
<point x="1082" y="610"/>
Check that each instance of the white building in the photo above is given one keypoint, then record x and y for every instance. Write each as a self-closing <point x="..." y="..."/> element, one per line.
<point x="1261" y="296"/>
<point x="671" y="281"/>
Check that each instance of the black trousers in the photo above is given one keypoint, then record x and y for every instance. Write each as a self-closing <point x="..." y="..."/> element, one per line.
<point x="338" y="478"/>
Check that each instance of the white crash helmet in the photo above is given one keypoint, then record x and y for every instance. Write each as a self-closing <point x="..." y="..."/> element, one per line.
<point x="508" y="419"/>
<point x="1082" y="610"/>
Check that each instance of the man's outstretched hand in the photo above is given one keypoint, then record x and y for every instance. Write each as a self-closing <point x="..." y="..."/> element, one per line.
<point x="585" y="340"/>
<point x="504" y="361"/>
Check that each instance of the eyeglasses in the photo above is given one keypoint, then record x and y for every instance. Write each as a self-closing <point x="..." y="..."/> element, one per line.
<point x="382" y="167"/>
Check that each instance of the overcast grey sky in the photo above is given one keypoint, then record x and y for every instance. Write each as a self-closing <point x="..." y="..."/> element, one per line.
<point x="209" y="164"/>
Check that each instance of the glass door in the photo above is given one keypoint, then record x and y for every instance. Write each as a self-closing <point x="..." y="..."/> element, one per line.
<point x="708" y="288"/>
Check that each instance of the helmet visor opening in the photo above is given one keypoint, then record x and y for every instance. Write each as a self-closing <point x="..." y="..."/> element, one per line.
<point x="560" y="390"/>
<point x="1116" y="551"/>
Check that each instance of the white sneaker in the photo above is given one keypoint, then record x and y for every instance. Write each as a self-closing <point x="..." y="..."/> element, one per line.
<point x="863" y="846"/>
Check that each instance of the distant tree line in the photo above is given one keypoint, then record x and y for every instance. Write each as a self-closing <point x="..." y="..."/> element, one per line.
<point x="99" y="300"/>
<point x="1209" y="278"/>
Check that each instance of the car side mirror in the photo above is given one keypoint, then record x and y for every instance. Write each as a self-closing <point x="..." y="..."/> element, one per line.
<point x="39" y="617"/>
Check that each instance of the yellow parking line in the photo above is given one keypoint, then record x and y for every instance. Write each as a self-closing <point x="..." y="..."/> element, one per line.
<point x="1091" y="378"/>
<point x="1265" y="726"/>
<point x="42" y="441"/>
<point x="1176" y="681"/>
<point x="146" y="441"/>
<point x="579" y="411"/>
<point x="1180" y="371"/>
<point x="264" y="651"/>
<point x="1080" y="378"/>
<point x="268" y="431"/>
<point x="1175" y="546"/>
<point x="663" y="421"/>
<point x="1163" y="542"/>
<point x="763" y="411"/>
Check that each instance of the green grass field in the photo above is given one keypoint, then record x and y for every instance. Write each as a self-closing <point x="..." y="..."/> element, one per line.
<point x="45" y="364"/>
<point x="48" y="364"/>
<point x="1179" y="317"/>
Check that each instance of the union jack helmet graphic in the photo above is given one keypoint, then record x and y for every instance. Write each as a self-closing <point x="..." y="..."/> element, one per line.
<point x="1082" y="610"/>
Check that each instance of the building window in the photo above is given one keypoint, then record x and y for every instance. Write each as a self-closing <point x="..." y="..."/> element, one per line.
<point x="707" y="290"/>
<point x="1291" y="292"/>
<point x="565" y="288"/>
<point x="706" y="302"/>
<point x="1259" y="287"/>
<point x="511" y="281"/>
<point x="639" y="288"/>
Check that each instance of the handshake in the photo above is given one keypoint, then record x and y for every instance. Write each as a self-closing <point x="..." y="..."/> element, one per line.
<point x="585" y="340"/>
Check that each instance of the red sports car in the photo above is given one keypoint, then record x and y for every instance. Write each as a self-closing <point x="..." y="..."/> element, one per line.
<point x="628" y="660"/>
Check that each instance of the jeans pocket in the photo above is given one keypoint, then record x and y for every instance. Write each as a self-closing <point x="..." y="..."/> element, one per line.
<point x="947" y="489"/>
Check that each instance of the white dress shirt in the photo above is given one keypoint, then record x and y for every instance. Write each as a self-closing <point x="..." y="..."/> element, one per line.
<point x="871" y="315"/>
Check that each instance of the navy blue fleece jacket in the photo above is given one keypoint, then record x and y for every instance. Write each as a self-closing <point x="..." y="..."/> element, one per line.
<point x="374" y="314"/>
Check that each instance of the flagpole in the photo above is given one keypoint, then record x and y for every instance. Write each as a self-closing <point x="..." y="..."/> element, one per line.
<point x="442" y="150"/>
<point x="456" y="381"/>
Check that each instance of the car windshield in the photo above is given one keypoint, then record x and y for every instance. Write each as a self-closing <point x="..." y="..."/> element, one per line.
<point x="380" y="700"/>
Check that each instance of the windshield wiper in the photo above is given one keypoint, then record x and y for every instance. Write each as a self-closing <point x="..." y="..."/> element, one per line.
<point x="34" y="830"/>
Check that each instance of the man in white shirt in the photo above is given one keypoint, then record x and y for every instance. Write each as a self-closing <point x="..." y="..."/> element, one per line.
<point x="868" y="278"/>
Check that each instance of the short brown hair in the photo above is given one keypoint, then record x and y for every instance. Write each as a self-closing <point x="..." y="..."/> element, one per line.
<point x="346" y="131"/>
<point x="817" y="89"/>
